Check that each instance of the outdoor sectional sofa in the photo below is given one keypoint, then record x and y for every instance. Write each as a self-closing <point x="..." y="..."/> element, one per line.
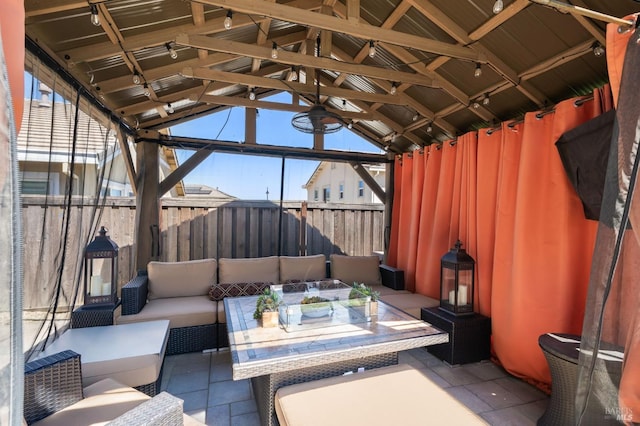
<point x="190" y="294"/>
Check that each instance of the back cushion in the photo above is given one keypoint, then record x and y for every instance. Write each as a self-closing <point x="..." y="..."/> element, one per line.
<point x="302" y="268"/>
<point x="254" y="270"/>
<point x="179" y="279"/>
<point x="361" y="269"/>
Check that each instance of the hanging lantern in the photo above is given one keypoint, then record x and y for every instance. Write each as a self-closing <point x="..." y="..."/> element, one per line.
<point x="457" y="276"/>
<point x="101" y="271"/>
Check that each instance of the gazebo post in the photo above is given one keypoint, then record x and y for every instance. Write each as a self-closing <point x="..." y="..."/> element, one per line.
<point x="148" y="204"/>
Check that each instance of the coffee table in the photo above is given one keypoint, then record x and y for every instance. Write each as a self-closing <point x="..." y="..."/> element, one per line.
<point x="274" y="357"/>
<point x="131" y="354"/>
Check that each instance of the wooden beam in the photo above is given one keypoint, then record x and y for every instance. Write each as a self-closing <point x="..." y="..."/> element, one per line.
<point x="148" y="207"/>
<point x="353" y="10"/>
<point x="270" y="83"/>
<point x="250" y="115"/>
<point x="366" y="32"/>
<point x="370" y="181"/>
<point x="34" y="8"/>
<point x="263" y="150"/>
<point x="183" y="170"/>
<point x="291" y="58"/>
<point x="277" y="106"/>
<point x="123" y="142"/>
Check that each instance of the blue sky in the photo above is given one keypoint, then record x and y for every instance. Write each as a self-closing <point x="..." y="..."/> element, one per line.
<point x="247" y="176"/>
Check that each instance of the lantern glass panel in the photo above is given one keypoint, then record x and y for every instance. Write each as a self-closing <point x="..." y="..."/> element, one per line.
<point x="448" y="284"/>
<point x="101" y="274"/>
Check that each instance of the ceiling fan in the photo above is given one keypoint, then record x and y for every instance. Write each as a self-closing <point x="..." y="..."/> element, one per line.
<point x="317" y="120"/>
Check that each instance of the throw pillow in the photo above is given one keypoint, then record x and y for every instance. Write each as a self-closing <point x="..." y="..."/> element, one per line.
<point x="220" y="291"/>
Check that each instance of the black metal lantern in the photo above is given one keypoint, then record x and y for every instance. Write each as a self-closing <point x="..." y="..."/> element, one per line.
<point x="101" y="271"/>
<point x="457" y="277"/>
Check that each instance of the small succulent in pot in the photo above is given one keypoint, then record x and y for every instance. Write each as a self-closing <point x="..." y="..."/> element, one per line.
<point x="360" y="290"/>
<point x="268" y="301"/>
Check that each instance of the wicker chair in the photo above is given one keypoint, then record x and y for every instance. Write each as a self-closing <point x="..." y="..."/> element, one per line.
<point x="54" y="383"/>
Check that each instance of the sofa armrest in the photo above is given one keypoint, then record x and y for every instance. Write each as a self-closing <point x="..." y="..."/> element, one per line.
<point x="392" y="277"/>
<point x="51" y="384"/>
<point x="134" y="294"/>
<point x="163" y="409"/>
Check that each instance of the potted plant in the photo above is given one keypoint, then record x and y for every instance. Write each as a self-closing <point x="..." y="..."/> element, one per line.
<point x="360" y="291"/>
<point x="315" y="306"/>
<point x="267" y="308"/>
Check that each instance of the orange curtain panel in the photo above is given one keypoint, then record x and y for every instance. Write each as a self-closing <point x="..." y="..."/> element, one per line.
<point x="427" y="282"/>
<point x="417" y="181"/>
<point x="404" y="212"/>
<point x="489" y="154"/>
<point x="12" y="30"/>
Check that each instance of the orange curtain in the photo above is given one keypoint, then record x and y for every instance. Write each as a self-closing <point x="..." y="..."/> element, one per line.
<point x="12" y="30"/>
<point x="392" y="252"/>
<point x="506" y="196"/>
<point x="427" y="280"/>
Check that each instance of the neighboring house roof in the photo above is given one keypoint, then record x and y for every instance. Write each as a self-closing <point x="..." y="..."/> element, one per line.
<point x="197" y="190"/>
<point x="321" y="166"/>
<point x="37" y="143"/>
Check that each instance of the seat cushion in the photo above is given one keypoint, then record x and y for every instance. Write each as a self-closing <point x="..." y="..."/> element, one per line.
<point x="103" y="401"/>
<point x="302" y="268"/>
<point x="180" y="279"/>
<point x="180" y="311"/>
<point x="395" y="395"/>
<point x="409" y="302"/>
<point x="253" y="270"/>
<point x="360" y="269"/>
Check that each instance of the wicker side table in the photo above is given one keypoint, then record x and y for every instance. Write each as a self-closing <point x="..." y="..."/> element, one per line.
<point x="93" y="316"/>
<point x="469" y="336"/>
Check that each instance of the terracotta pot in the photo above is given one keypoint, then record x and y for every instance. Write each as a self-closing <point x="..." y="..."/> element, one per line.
<point x="270" y="319"/>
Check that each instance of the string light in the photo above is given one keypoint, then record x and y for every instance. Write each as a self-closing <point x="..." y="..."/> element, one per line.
<point x="486" y="101"/>
<point x="394" y="89"/>
<point x="476" y="105"/>
<point x="170" y="109"/>
<point x="228" y="21"/>
<point x="171" y="50"/>
<point x="429" y="128"/>
<point x="598" y="49"/>
<point x="372" y="49"/>
<point x="498" y="6"/>
<point x="294" y="74"/>
<point x="252" y="94"/>
<point x="136" y="77"/>
<point x="478" y="71"/>
<point x="95" y="18"/>
<point x="415" y="117"/>
<point x="146" y="90"/>
<point x="274" y="51"/>
<point x="350" y="125"/>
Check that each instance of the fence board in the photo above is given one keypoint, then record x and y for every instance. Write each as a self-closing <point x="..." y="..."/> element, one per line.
<point x="189" y="229"/>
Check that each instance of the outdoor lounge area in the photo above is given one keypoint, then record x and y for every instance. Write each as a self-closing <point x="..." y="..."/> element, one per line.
<point x="312" y="212"/>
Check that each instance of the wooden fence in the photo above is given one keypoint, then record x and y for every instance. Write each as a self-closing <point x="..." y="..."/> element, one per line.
<point x="189" y="229"/>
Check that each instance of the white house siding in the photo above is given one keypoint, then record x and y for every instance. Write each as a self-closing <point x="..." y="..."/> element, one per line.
<point x="330" y="176"/>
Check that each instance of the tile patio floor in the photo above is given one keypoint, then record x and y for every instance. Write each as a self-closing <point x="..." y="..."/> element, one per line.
<point x="203" y="381"/>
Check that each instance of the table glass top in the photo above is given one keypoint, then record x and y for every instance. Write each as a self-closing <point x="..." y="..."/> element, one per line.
<point x="258" y="351"/>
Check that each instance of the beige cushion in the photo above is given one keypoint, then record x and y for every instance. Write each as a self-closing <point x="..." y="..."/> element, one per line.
<point x="178" y="279"/>
<point x="254" y="270"/>
<point x="384" y="290"/>
<point x="396" y="395"/>
<point x="103" y="401"/>
<point x="361" y="269"/>
<point x="302" y="268"/>
<point x="180" y="311"/>
<point x="410" y="302"/>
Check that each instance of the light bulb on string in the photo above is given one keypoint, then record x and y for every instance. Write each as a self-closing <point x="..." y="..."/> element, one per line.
<point x="598" y="49"/>
<point x="415" y="117"/>
<point x="294" y="74"/>
<point x="274" y="51"/>
<point x="372" y="49"/>
<point x="136" y="77"/>
<point x="146" y="90"/>
<point x="486" y="101"/>
<point x="429" y="128"/>
<point x="95" y="18"/>
<point x="228" y="20"/>
<point x="394" y="89"/>
<point x="170" y="109"/>
<point x="350" y="125"/>
<point x="252" y="95"/>
<point x="171" y="50"/>
<point x="498" y="6"/>
<point x="478" y="71"/>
